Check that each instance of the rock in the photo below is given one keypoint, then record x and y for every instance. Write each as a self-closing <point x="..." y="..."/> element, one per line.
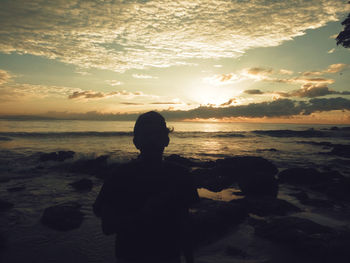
<point x="212" y="219"/>
<point x="255" y="184"/>
<point x="16" y="189"/>
<point x="54" y="156"/>
<point x="268" y="206"/>
<point x="5" y="205"/>
<point x="3" y="240"/>
<point x="235" y="252"/>
<point x="255" y="175"/>
<point x="96" y="166"/>
<point x="301" y="196"/>
<point x="210" y="179"/>
<point x="63" y="217"/>
<point x="341" y="150"/>
<point x="48" y="157"/>
<point x="305" y="200"/>
<point x="307" y="176"/>
<point x="246" y="164"/>
<point x="64" y="155"/>
<point x="331" y="183"/>
<point x="339" y="190"/>
<point x="307" y="238"/>
<point x="82" y="185"/>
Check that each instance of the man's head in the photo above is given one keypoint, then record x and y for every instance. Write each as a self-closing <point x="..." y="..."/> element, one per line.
<point x="151" y="134"/>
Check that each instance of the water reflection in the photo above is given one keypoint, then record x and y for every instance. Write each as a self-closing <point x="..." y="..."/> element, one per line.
<point x="225" y="195"/>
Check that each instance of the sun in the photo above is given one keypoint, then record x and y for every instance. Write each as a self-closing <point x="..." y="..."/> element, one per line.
<point x="211" y="95"/>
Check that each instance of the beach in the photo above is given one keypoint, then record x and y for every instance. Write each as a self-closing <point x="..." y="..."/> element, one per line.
<point x="33" y="180"/>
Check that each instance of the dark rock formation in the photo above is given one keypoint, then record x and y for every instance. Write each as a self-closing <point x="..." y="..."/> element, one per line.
<point x="330" y="183"/>
<point x="63" y="217"/>
<point x="48" y="157"/>
<point x="307" y="176"/>
<point x="306" y="200"/>
<point x="64" y="155"/>
<point x="212" y="219"/>
<point x="307" y="238"/>
<point x="97" y="166"/>
<point x="255" y="175"/>
<point x="235" y="252"/>
<point x="5" y="205"/>
<point x="82" y="185"/>
<point x="268" y="206"/>
<point x="16" y="189"/>
<point x="341" y="150"/>
<point x="339" y="190"/>
<point x="211" y="179"/>
<point x="3" y="241"/>
<point x="56" y="156"/>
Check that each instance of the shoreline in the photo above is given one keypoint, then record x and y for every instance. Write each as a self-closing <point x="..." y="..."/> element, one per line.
<point x="22" y="230"/>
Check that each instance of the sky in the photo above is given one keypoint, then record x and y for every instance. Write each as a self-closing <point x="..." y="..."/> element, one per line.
<point x="238" y="60"/>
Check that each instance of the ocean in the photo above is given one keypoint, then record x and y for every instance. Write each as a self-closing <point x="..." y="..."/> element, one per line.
<point x="45" y="184"/>
<point x="287" y="145"/>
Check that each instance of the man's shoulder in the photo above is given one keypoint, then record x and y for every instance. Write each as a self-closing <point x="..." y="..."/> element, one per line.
<point x="172" y="166"/>
<point x="122" y="171"/>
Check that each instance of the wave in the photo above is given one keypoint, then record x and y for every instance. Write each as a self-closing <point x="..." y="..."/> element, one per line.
<point x="5" y="138"/>
<point x="64" y="134"/>
<point x="309" y="133"/>
<point x="200" y="134"/>
<point x="8" y="135"/>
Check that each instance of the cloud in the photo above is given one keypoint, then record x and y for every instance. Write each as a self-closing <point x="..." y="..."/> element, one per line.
<point x="334" y="68"/>
<point x="113" y="82"/>
<point x="259" y="71"/>
<point x="131" y="103"/>
<point x="223" y="79"/>
<point x="277" y="108"/>
<point x="308" y="91"/>
<point x="217" y="66"/>
<point x="5" y="76"/>
<point x="13" y="91"/>
<point x="120" y="35"/>
<point x="89" y="94"/>
<point x="271" y="75"/>
<point x="23" y="91"/>
<point x="229" y="102"/>
<point x="253" y="92"/>
<point x="143" y="76"/>
<point x="285" y="72"/>
<point x="165" y="103"/>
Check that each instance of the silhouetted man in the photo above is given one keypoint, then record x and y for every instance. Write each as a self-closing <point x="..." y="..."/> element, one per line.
<point x="146" y="203"/>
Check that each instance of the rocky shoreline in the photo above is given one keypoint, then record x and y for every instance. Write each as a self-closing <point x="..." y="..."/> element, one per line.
<point x="257" y="202"/>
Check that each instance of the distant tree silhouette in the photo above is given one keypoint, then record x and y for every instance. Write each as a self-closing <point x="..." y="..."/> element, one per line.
<point x="344" y="36"/>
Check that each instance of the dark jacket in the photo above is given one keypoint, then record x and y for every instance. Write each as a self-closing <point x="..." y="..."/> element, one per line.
<point x="148" y="210"/>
